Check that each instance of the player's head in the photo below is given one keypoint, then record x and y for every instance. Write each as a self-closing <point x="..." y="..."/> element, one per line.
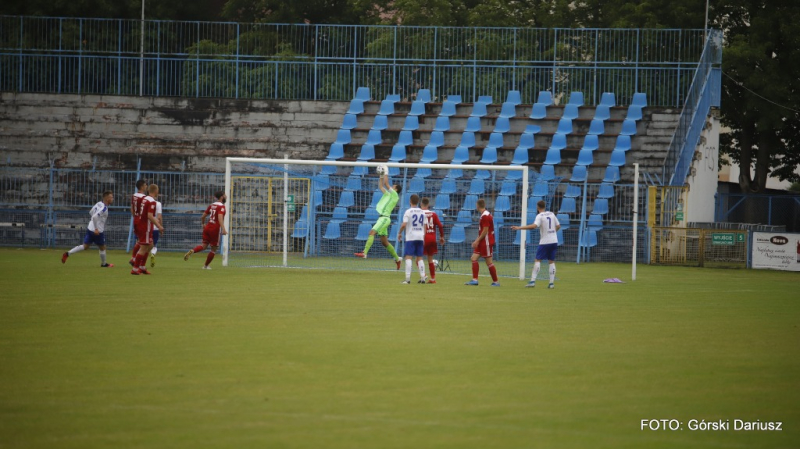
<point x="220" y="196"/>
<point x="141" y="185"/>
<point x="398" y="188"/>
<point x="108" y="197"/>
<point x="480" y="205"/>
<point x="414" y="200"/>
<point x="153" y="190"/>
<point x="540" y="206"/>
<point x="425" y="203"/>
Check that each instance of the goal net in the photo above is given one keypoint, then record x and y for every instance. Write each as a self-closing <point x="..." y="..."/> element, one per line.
<point x="317" y="214"/>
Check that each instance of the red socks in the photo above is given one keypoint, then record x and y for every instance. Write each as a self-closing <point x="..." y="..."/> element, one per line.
<point x="475" y="268"/>
<point x="198" y="248"/>
<point x="492" y="271"/>
<point x="135" y="251"/>
<point x="209" y="258"/>
<point x="432" y="270"/>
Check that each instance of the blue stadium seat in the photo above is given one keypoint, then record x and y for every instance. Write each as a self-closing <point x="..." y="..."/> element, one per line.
<point x="548" y="173"/>
<point x="336" y="152"/>
<point x="514" y="97"/>
<point x="356" y="107"/>
<point x="423" y="172"/>
<point x="437" y="139"/>
<point x="442" y="201"/>
<point x="628" y="127"/>
<point x="387" y="107"/>
<point x="457" y="235"/>
<point x="572" y="191"/>
<point x="468" y="139"/>
<point x="381" y="122"/>
<point x="343" y="137"/>
<point x="517" y="236"/>
<point x="612" y="174"/>
<point x="454" y="98"/>
<point x="464" y="216"/>
<point x="579" y="173"/>
<point x="482" y="174"/>
<point x="448" y="186"/>
<point x="606" y="191"/>
<point x="374" y="137"/>
<point x="416" y="185"/>
<point x="360" y="171"/>
<point x="608" y="99"/>
<point x="411" y="123"/>
<point x="508" y="110"/>
<point x="576" y="98"/>
<point x="442" y="124"/>
<point x="424" y="95"/>
<point x="526" y="140"/>
<point x="406" y="138"/>
<point x="454" y="173"/>
<point x="602" y="112"/>
<point x="398" y="153"/>
<point x="470" y="202"/>
<point x="570" y="112"/>
<point x="585" y="157"/>
<point x="417" y="108"/>
<point x="485" y="99"/>
<point x="332" y="230"/>
<point x="589" y="239"/>
<point x="597" y="127"/>
<point x="502" y="125"/>
<point x="564" y="126"/>
<point x="376" y="197"/>
<point x="540" y="189"/>
<point x="362" y="93"/>
<point x="502" y="204"/>
<point x="460" y="155"/>
<point x="350" y="121"/>
<point x="394" y="171"/>
<point x="623" y="143"/>
<point x="371" y="214"/>
<point x="367" y="152"/>
<point x="339" y="214"/>
<point x="328" y="170"/>
<point x="429" y="154"/>
<point x="473" y="125"/>
<point x="509" y="187"/>
<point x="304" y="213"/>
<point x="532" y="200"/>
<point x="363" y="230"/>
<point x="595" y="222"/>
<point x="490" y="151"/>
<point x="499" y="220"/>
<point x="639" y="100"/>
<point x="353" y="183"/>
<point x="600" y="206"/>
<point x="634" y="113"/>
<point x="539" y="111"/>
<point x="560" y="236"/>
<point x="545" y="98"/>
<point x="393" y="97"/>
<point x="478" y="110"/>
<point x="553" y="156"/>
<point x="563" y="220"/>
<point x="532" y="129"/>
<point x="448" y="109"/>
<point x="591" y="142"/>
<point x="617" y="158"/>
<point x="347" y="199"/>
<point x="520" y="157"/>
<point x="559" y="141"/>
<point x="300" y="229"/>
<point x="567" y="206"/>
<point x="477" y="187"/>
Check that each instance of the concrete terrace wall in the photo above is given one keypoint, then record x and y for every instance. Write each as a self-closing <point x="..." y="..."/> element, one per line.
<point x="109" y="132"/>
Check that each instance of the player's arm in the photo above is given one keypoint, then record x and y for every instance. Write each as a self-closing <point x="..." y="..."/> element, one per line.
<point x="384" y="179"/>
<point x="402" y="227"/>
<point x="133" y="208"/>
<point x="154" y="220"/>
<point x="480" y="237"/>
<point x="221" y="218"/>
<point x="203" y="218"/>
<point x="530" y="226"/>
<point x="437" y="223"/>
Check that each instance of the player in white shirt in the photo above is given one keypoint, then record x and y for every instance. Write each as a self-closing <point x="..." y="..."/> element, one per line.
<point x="414" y="225"/>
<point x="548" y="226"/>
<point x="156" y="234"/>
<point x="95" y="232"/>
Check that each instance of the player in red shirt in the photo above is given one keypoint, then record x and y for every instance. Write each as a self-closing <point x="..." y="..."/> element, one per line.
<point x="213" y="229"/>
<point x="136" y="203"/>
<point x="483" y="245"/>
<point x="431" y="223"/>
<point x="147" y="212"/>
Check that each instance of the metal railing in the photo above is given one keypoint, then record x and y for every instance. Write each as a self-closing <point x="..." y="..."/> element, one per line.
<point x="329" y="62"/>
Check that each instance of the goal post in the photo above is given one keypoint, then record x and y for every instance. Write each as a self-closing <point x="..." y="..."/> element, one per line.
<point x="317" y="214"/>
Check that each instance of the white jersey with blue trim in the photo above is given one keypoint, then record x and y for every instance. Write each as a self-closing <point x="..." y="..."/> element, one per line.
<point x="546" y="222"/>
<point x="414" y="218"/>
<point x="99" y="215"/>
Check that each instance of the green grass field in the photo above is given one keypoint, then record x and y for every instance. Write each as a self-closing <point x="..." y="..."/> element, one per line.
<point x="274" y="358"/>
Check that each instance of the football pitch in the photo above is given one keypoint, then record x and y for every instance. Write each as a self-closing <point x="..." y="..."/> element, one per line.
<point x="287" y="358"/>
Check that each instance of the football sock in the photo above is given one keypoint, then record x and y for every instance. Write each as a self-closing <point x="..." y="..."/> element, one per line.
<point x="209" y="258"/>
<point x="76" y="249"/>
<point x="198" y="248"/>
<point x="154" y="251"/>
<point x="135" y="251"/>
<point x="475" y="269"/>
<point x="552" y="272"/>
<point x="421" y="266"/>
<point x="391" y="250"/>
<point x="432" y="269"/>
<point x="493" y="272"/>
<point x="408" y="269"/>
<point x="141" y="259"/>
<point x="102" y="257"/>
<point x="535" y="271"/>
<point x="368" y="245"/>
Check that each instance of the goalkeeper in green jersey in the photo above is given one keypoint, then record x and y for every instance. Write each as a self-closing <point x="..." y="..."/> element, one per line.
<point x="385" y="207"/>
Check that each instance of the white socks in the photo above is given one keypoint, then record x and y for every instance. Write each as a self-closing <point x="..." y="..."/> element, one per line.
<point x="535" y="272"/>
<point x="408" y="270"/>
<point x="552" y="272"/>
<point x="102" y="257"/>
<point x="154" y="251"/>
<point x="421" y="266"/>
<point x="76" y="249"/>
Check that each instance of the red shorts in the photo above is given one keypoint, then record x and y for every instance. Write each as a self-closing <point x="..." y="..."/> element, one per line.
<point x="483" y="249"/>
<point x="430" y="248"/>
<point x="211" y="236"/>
<point x="145" y="233"/>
